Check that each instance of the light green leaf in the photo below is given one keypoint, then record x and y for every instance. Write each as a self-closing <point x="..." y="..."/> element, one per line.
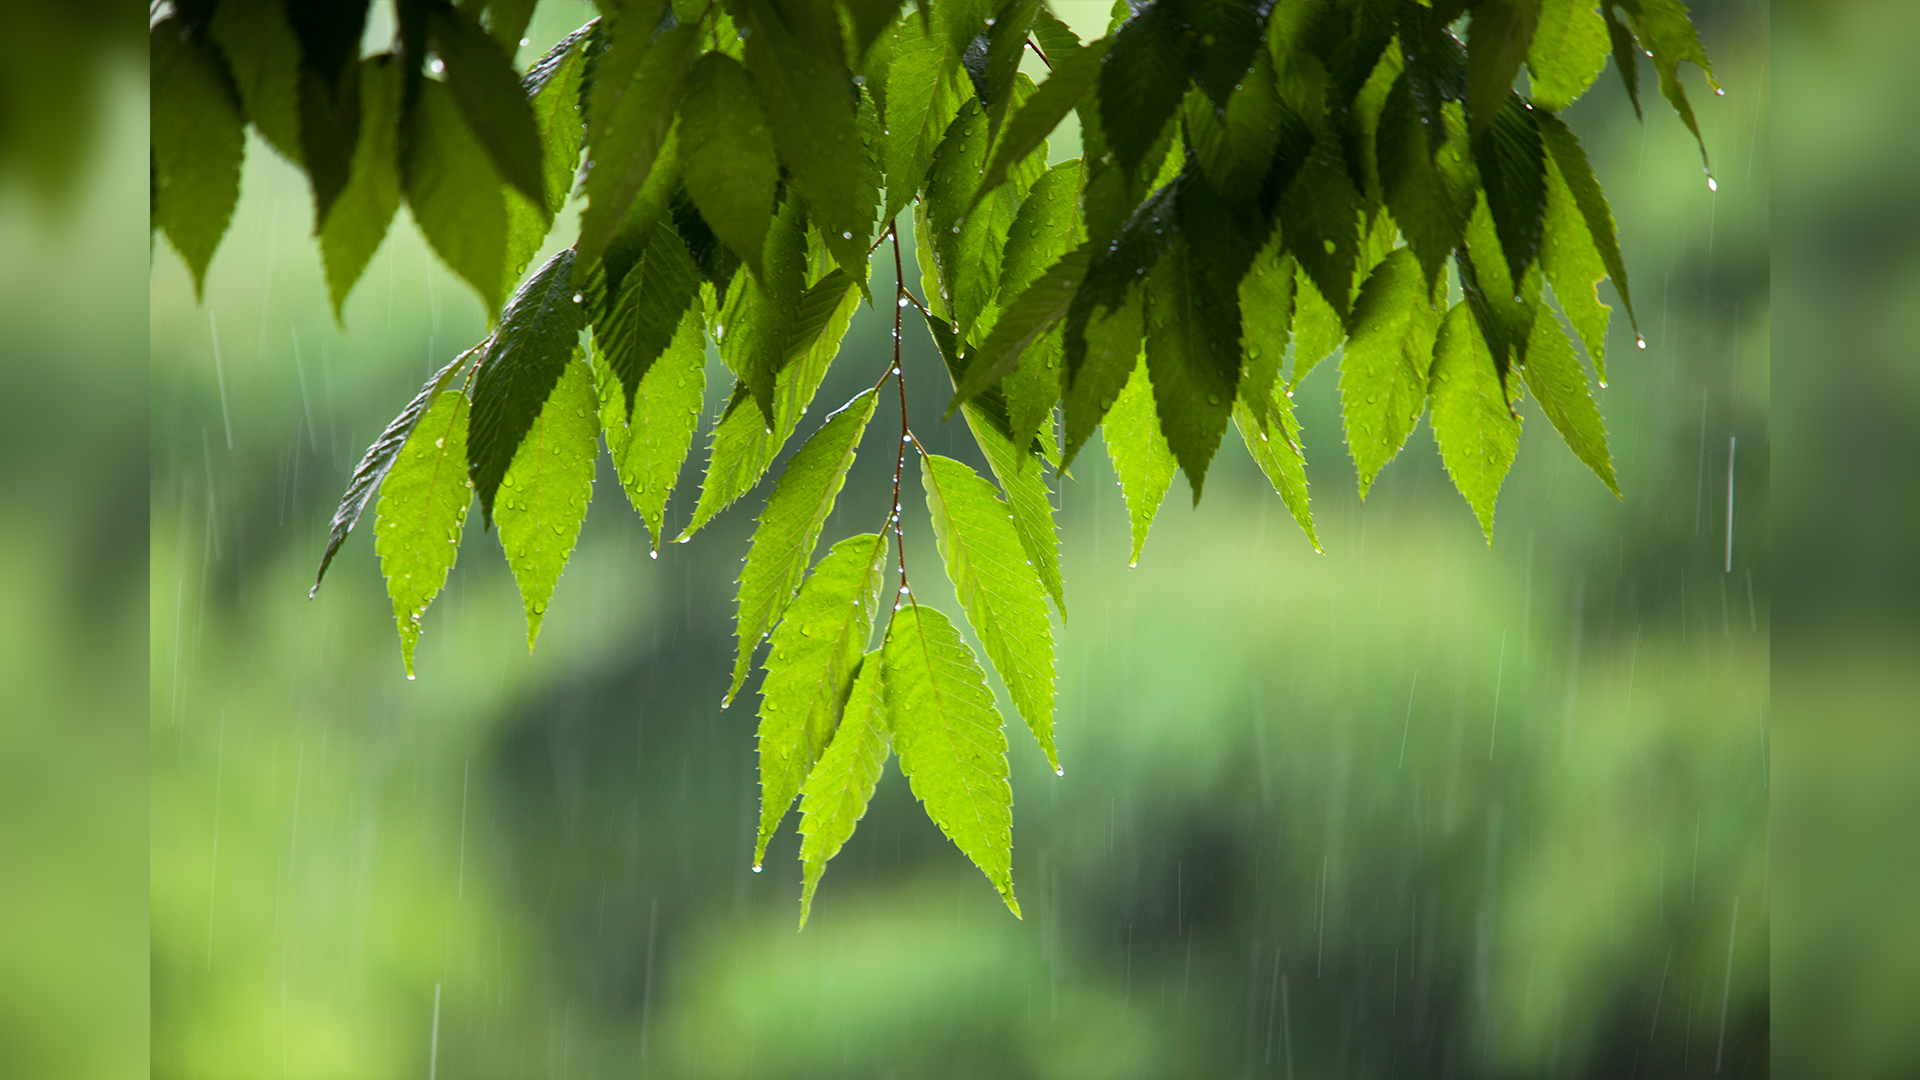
<point x="357" y="220"/>
<point x="1473" y="422"/>
<point x="810" y="669"/>
<point x="198" y="138"/>
<point x="952" y="745"/>
<point x="1140" y="454"/>
<point x="789" y="527"/>
<point x="1383" y="374"/>
<point x="632" y="329"/>
<point x="1666" y="30"/>
<point x="553" y="86"/>
<point x="730" y="167"/>
<point x="1571" y="261"/>
<point x="638" y="117"/>
<point x="1316" y="328"/>
<point x="1569" y="49"/>
<point x="1567" y="164"/>
<point x="649" y="445"/>
<point x="1553" y="374"/>
<point x="1026" y="489"/>
<point x="841" y="784"/>
<point x="538" y="335"/>
<point x="423" y="505"/>
<point x="742" y="447"/>
<point x="543" y="497"/>
<point x="968" y="244"/>
<point x="456" y="196"/>
<point x="1277" y="452"/>
<point x="264" y="56"/>
<point x="998" y="588"/>
<point x="1025" y="319"/>
<point x="1266" y="323"/>
<point x="760" y="309"/>
<point x="923" y="95"/>
<point x="1072" y="75"/>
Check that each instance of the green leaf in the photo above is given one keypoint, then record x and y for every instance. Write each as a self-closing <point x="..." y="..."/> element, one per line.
<point x="1278" y="455"/>
<point x="810" y="107"/>
<point x="923" y="97"/>
<point x="1320" y="224"/>
<point x="1141" y="457"/>
<point x="810" y="670"/>
<point x="730" y="166"/>
<point x="1193" y="352"/>
<point x="379" y="459"/>
<point x="198" y="138"/>
<point x="841" y="784"/>
<point x="952" y="745"/>
<point x="1113" y="347"/>
<point x="1226" y="36"/>
<point x="1473" y="422"/>
<point x="1006" y="43"/>
<point x="544" y="495"/>
<point x="1505" y="308"/>
<point x="1235" y="146"/>
<point x="1383" y="374"/>
<point x="870" y="19"/>
<point x="1317" y="330"/>
<point x="507" y="21"/>
<point x="423" y="505"/>
<point x="1142" y="80"/>
<point x="553" y="87"/>
<point x="622" y="150"/>
<point x="456" y="196"/>
<point x="789" y="527"/>
<point x="330" y="102"/>
<point x="742" y="448"/>
<point x="1665" y="28"/>
<point x="531" y="348"/>
<point x="760" y="311"/>
<point x="1027" y="498"/>
<point x="1073" y="75"/>
<point x="633" y="330"/>
<point x="1266" y="322"/>
<point x="1569" y="261"/>
<point x="649" y="433"/>
<point x="968" y="244"/>
<point x="1569" y="49"/>
<point x="489" y="94"/>
<point x="1626" y="56"/>
<point x="1513" y="169"/>
<point x="1497" y="43"/>
<point x="1428" y="191"/>
<point x="1553" y="374"/>
<point x="264" y="57"/>
<point x="662" y="199"/>
<point x="357" y="220"/>
<point x="1000" y="591"/>
<point x="1030" y="315"/>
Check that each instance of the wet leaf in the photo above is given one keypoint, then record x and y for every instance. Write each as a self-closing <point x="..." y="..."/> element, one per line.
<point x="543" y="496"/>
<point x="841" y="784"/>
<point x="1473" y="422"/>
<point x="423" y="506"/>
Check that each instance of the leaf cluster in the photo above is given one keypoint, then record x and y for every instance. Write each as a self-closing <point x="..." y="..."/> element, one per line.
<point x="1262" y="184"/>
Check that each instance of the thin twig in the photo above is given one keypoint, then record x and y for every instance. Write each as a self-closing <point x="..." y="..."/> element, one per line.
<point x="900" y="381"/>
<point x="1039" y="52"/>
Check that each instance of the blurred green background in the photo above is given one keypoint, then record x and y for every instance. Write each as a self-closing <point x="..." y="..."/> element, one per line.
<point x="1412" y="807"/>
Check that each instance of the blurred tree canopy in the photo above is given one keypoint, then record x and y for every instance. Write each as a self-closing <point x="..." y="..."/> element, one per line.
<point x="1261" y="184"/>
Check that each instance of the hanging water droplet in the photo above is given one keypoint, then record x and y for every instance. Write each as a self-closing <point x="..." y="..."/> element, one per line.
<point x="1603" y="384"/>
<point x="654" y="554"/>
<point x="903" y="301"/>
<point x="1640" y="341"/>
<point x="1057" y="771"/>
<point x="578" y="297"/>
<point x="409" y="676"/>
<point x="846" y="236"/>
<point x="1712" y="184"/>
<point x="756" y="868"/>
<point x="437" y="66"/>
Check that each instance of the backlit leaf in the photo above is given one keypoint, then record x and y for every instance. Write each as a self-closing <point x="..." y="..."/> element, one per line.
<point x="636" y="327"/>
<point x="533" y="345"/>
<point x="922" y="99"/>
<point x="1026" y="490"/>
<point x="423" y="505"/>
<point x="841" y="784"/>
<point x="1383" y="374"/>
<point x="1553" y="374"/>
<point x="1031" y="314"/>
<point x="1569" y="48"/>
<point x="1664" y="27"/>
<point x="456" y="197"/>
<point x="730" y="167"/>
<point x="1113" y="345"/>
<point x="1316" y="328"/>
<point x="198" y="136"/>
<point x="1073" y="74"/>
<point x="1266" y="324"/>
<point x="1512" y="164"/>
<point x="1429" y="191"/>
<point x="1497" y="43"/>
<point x="1569" y="167"/>
<point x="1276" y="449"/>
<point x="649" y="441"/>
<point x="622" y="150"/>
<point x="1476" y="428"/>
<point x="1006" y="44"/>
<point x="543" y="496"/>
<point x="1141" y="457"/>
<point x="789" y="527"/>
<point x="998" y="589"/>
<point x="810" y="670"/>
<point x="952" y="745"/>
<point x="1320" y="224"/>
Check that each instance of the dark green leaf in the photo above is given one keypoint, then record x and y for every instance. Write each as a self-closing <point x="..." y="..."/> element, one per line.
<point x="1030" y="315"/>
<point x="1664" y="27"/>
<point x="1473" y="422"/>
<point x="1266" y="324"/>
<point x="1193" y="354"/>
<point x="1110" y="351"/>
<point x="535" y="341"/>
<point x="1116" y="270"/>
<point x="264" y="57"/>
<point x="1428" y="191"/>
<point x="357" y="221"/>
<point x="1320" y="223"/>
<point x="842" y="783"/>
<point x="1073" y="74"/>
<point x="922" y="100"/>
<point x="457" y="198"/>
<point x="423" y="505"/>
<point x="1276" y="449"/>
<point x="789" y="528"/>
<point x="760" y="311"/>
<point x="810" y="107"/>
<point x="1436" y="67"/>
<point x="543" y="496"/>
<point x="1497" y="43"/>
<point x="1226" y="35"/>
<point x="1626" y="56"/>
<point x="1006" y="43"/>
<point x="1141" y="457"/>
<point x="1001" y="594"/>
<point x="648" y="435"/>
<point x="1569" y="49"/>
<point x="1514" y="171"/>
<point x="871" y="19"/>
<point x="810" y="670"/>
<point x="489" y="94"/>
<point x="507" y="21"/>
<point x="638" y="326"/>
<point x="1569" y="167"/>
<point x="730" y="166"/>
<point x="952" y="745"/>
<point x="1553" y="374"/>
<point x="990" y="405"/>
<point x="622" y="150"/>
<point x="379" y="459"/>
<point x="198" y="137"/>
<point x="1235" y="146"/>
<point x="1142" y="80"/>
<point x="329" y="98"/>
<point x="1383" y="375"/>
